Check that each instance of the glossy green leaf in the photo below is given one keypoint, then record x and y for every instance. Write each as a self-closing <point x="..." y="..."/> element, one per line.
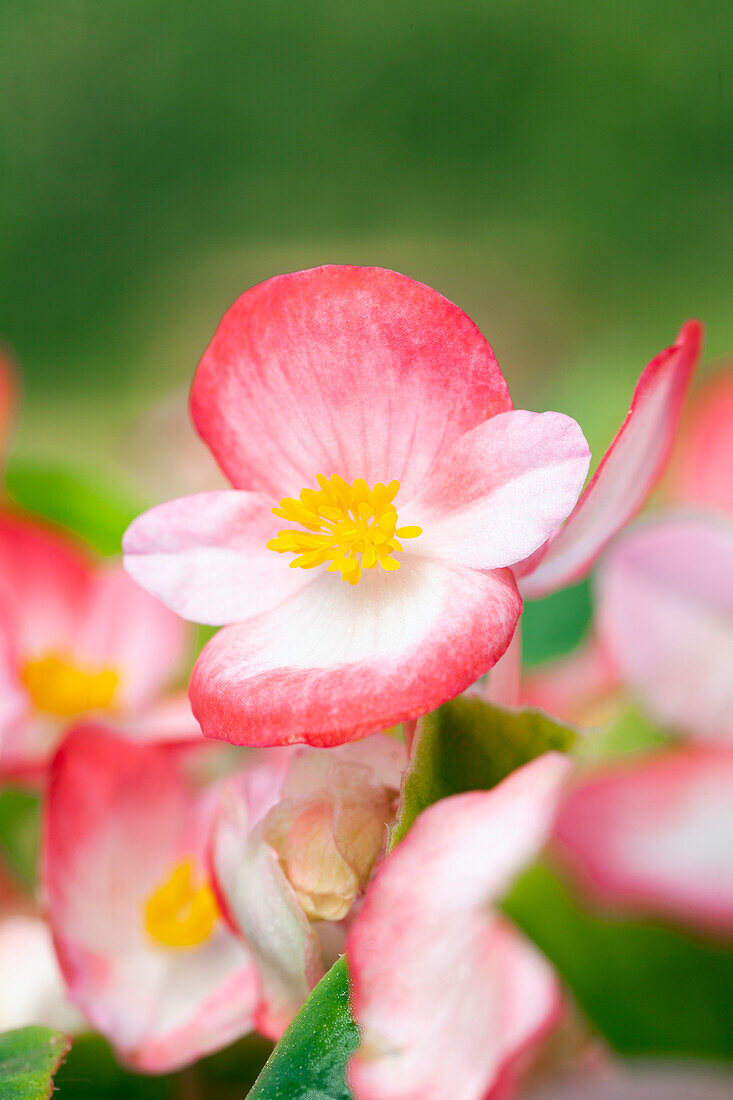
<point x="650" y="990"/>
<point x="468" y="745"/>
<point x="28" y="1060"/>
<point x="95" y="511"/>
<point x="309" y="1062"/>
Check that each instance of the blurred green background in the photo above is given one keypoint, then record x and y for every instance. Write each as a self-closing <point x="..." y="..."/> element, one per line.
<point x="560" y="169"/>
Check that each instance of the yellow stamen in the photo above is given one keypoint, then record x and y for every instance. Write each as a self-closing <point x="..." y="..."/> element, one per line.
<point x="180" y="913"/>
<point x="57" y="686"/>
<point x="352" y="527"/>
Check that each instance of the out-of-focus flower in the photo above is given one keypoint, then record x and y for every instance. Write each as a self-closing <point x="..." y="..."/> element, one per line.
<point x="295" y="841"/>
<point x="370" y="415"/>
<point x="701" y="474"/>
<point x="581" y="688"/>
<point x="445" y="992"/>
<point x="656" y="835"/>
<point x="665" y="620"/>
<point x="137" y="927"/>
<point x="641" y="1081"/>
<point x="77" y="639"/>
<point x="32" y="990"/>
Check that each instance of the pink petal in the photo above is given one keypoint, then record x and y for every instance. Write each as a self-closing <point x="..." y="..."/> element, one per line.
<point x="657" y="835"/>
<point x="627" y="473"/>
<point x="581" y="688"/>
<point x="341" y="370"/>
<point x="167" y="721"/>
<point x="118" y="818"/>
<point x="206" y="556"/>
<point x="665" y="617"/>
<point x="504" y="684"/>
<point x="335" y="661"/>
<point x="263" y="906"/>
<point x="124" y="628"/>
<point x="501" y="489"/>
<point x="43" y="585"/>
<point x="32" y="991"/>
<point x="703" y="460"/>
<point x="442" y="997"/>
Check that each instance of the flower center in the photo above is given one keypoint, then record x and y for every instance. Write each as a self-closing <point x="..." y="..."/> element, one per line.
<point x="181" y="912"/>
<point x="58" y="686"/>
<point x="352" y="527"/>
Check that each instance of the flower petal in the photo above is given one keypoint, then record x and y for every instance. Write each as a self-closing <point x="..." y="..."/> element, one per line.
<point x="627" y="473"/>
<point x="123" y="628"/>
<point x="32" y="991"/>
<point x="118" y="817"/>
<point x="657" y="834"/>
<point x="338" y="661"/>
<point x="665" y="617"/>
<point x="206" y="556"/>
<point x="341" y="370"/>
<point x="703" y="460"/>
<point x="441" y="1003"/>
<point x="501" y="490"/>
<point x="262" y="904"/>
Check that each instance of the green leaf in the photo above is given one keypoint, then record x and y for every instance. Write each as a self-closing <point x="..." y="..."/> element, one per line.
<point x="469" y="745"/>
<point x="556" y="625"/>
<point x="28" y="1060"/>
<point x="650" y="990"/>
<point x="95" y="511"/>
<point x="309" y="1062"/>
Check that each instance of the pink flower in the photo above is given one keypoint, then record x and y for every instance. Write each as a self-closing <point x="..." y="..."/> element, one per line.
<point x="77" y="639"/>
<point x="445" y="992"/>
<point x="656" y="835"/>
<point x="32" y="990"/>
<point x="665" y="621"/>
<point x="370" y="415"/>
<point x="138" y="931"/>
<point x="294" y="844"/>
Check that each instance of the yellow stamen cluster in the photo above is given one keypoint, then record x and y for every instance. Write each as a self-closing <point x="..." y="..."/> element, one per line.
<point x="58" y="686"/>
<point x="181" y="913"/>
<point x="352" y="527"/>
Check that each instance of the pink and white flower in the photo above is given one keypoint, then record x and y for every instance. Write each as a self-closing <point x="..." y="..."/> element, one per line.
<point x="78" y="639"/>
<point x="295" y="840"/>
<point x="369" y="413"/>
<point x="702" y="471"/>
<point x="139" y="935"/>
<point x="665" y="621"/>
<point x="656" y="835"/>
<point x="445" y="991"/>
<point x="32" y="990"/>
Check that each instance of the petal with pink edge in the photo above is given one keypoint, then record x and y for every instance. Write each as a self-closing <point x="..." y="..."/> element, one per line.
<point x="501" y="490"/>
<point x="43" y="585"/>
<point x="665" y="618"/>
<point x="702" y="467"/>
<point x="442" y="996"/>
<point x="338" y="661"/>
<point x="627" y="473"/>
<point x="657" y="835"/>
<point x="262" y="904"/>
<point x="118" y="819"/>
<point x="354" y="371"/>
<point x="124" y="628"/>
<point x="206" y="556"/>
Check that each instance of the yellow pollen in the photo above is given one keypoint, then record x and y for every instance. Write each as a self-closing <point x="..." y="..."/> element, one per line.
<point x="352" y="527"/>
<point x="57" y="686"/>
<point x="181" y="913"/>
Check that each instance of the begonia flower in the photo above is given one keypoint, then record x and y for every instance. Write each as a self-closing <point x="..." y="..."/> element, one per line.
<point x="77" y="639"/>
<point x="626" y="475"/>
<point x="139" y="934"/>
<point x="665" y="620"/>
<point x="444" y="990"/>
<point x="656" y="835"/>
<point x="32" y="991"/>
<point x="383" y="484"/>
<point x="294" y="844"/>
